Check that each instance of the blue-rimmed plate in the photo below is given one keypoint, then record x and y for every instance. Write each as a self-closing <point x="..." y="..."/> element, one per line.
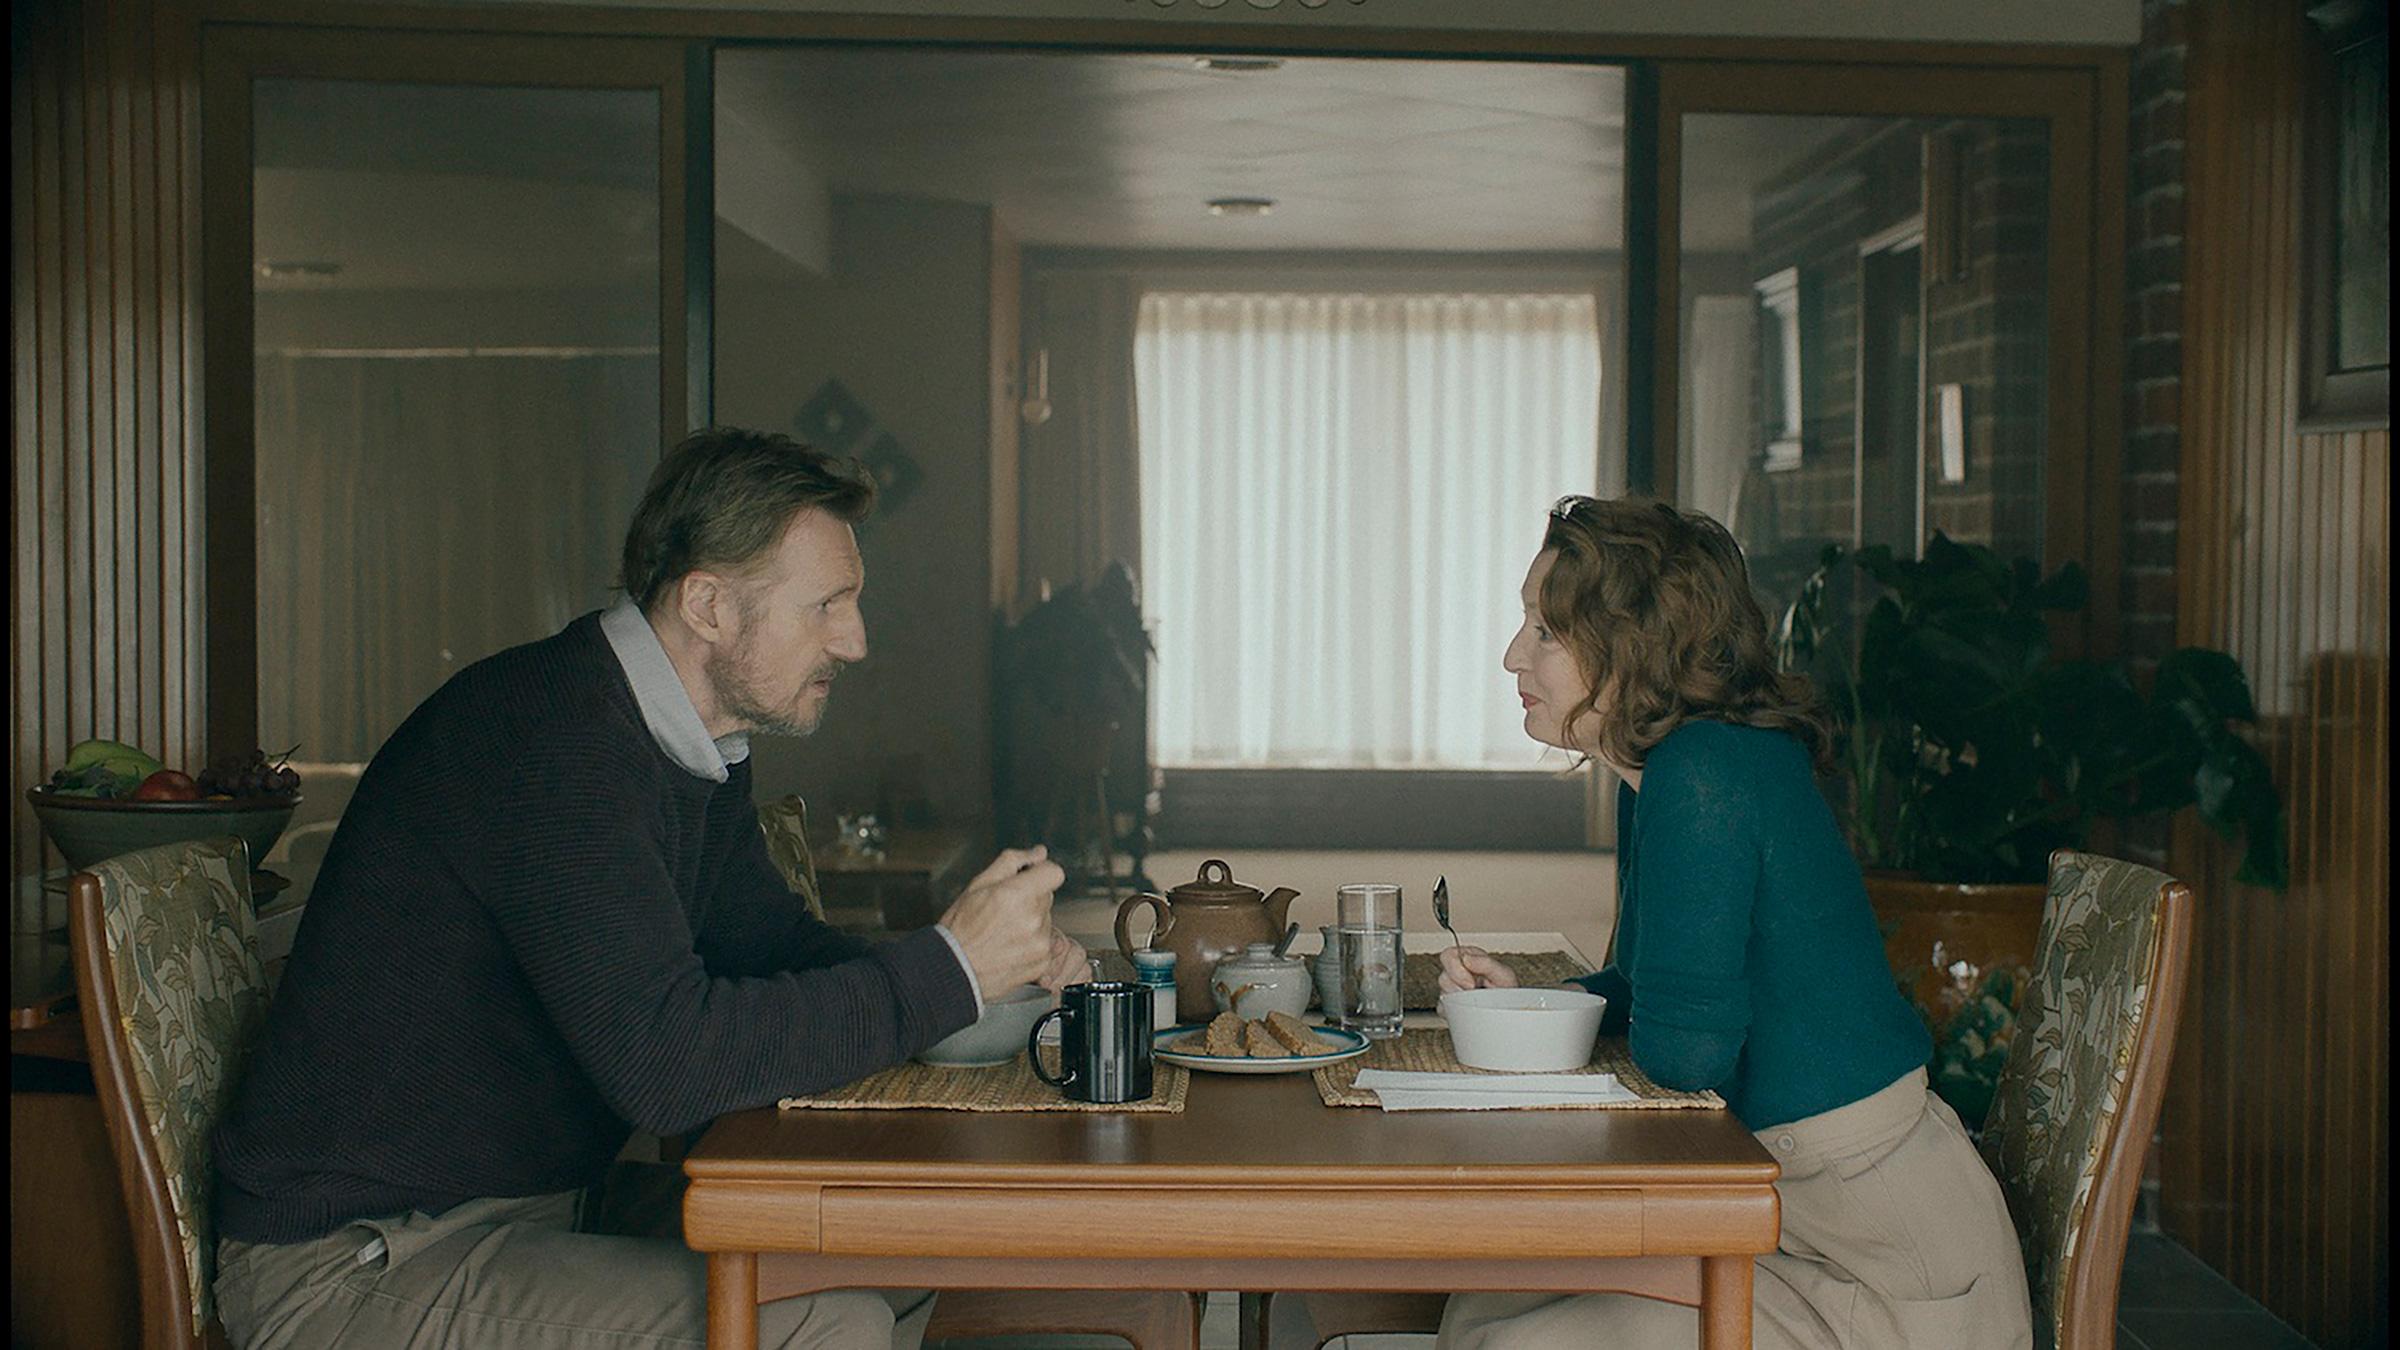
<point x="1347" y="1045"/>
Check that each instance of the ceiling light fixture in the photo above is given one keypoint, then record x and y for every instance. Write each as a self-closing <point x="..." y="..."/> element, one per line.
<point x="1240" y="65"/>
<point x="283" y="267"/>
<point x="1240" y="206"/>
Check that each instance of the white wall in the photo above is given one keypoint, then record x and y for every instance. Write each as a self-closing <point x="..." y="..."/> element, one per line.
<point x="771" y="194"/>
<point x="1570" y="893"/>
<point x="902" y="322"/>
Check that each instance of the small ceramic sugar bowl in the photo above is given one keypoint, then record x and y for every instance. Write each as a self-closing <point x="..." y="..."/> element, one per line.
<point x="1259" y="982"/>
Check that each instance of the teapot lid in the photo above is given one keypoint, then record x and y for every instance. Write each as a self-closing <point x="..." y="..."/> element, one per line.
<point x="1215" y="882"/>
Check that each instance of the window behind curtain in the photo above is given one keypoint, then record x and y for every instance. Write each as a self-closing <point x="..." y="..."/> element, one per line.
<point x="454" y="422"/>
<point x="1340" y="495"/>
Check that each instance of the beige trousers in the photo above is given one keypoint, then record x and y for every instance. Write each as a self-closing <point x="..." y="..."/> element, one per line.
<point x="1895" y="1237"/>
<point x="545" y="1272"/>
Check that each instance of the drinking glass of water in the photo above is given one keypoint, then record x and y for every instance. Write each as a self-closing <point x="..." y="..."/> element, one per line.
<point x="1367" y="925"/>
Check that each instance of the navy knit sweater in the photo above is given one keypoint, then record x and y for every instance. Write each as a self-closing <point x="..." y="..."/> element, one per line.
<point x="533" y="932"/>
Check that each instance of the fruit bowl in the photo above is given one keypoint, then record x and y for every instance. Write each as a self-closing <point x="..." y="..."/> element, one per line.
<point x="88" y="829"/>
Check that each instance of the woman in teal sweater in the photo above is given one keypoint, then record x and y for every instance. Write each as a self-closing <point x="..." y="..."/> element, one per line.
<point x="1746" y="958"/>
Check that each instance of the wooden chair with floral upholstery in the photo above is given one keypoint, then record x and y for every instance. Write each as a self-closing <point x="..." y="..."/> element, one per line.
<point x="786" y="824"/>
<point x="2071" y="1123"/>
<point x="1143" y="1318"/>
<point x="167" y="969"/>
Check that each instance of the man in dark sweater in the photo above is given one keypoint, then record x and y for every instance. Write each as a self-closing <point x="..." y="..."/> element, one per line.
<point x="548" y="918"/>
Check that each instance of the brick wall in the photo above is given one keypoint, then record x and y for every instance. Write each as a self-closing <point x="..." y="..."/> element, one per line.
<point x="1987" y="334"/>
<point x="1984" y="323"/>
<point x="1812" y="217"/>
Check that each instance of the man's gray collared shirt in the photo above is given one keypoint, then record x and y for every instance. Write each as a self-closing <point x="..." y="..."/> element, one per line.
<point x="666" y="705"/>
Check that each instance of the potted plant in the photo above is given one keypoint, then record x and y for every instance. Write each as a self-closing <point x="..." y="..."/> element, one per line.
<point x="1969" y="754"/>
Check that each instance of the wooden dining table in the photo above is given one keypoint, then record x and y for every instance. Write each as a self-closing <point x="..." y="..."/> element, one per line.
<point x="1255" y="1185"/>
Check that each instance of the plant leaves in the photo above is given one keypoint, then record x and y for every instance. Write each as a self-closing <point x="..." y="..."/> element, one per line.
<point x="2065" y="589"/>
<point x="2207" y="685"/>
<point x="1971" y="754"/>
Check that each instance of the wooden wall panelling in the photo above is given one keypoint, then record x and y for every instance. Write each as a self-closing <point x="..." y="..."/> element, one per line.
<point x="2277" y="1161"/>
<point x="105" y="618"/>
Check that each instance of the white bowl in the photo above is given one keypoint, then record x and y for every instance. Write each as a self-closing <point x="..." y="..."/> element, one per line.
<point x="996" y="1037"/>
<point x="1523" y="1030"/>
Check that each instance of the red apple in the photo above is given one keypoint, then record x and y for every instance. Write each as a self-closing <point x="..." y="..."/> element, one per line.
<point x="167" y="785"/>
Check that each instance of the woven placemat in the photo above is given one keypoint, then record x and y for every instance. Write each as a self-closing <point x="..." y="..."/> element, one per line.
<point x="1428" y="1050"/>
<point x="1420" y="972"/>
<point x="1001" y="1087"/>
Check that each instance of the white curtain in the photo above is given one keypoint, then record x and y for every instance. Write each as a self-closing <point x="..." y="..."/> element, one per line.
<point x="419" y="512"/>
<point x="1340" y="495"/>
<point x="1718" y="425"/>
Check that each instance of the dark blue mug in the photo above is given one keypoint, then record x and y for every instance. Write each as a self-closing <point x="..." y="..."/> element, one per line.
<point x="1103" y="1042"/>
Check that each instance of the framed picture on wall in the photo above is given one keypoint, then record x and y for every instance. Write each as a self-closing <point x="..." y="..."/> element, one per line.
<point x="2346" y="287"/>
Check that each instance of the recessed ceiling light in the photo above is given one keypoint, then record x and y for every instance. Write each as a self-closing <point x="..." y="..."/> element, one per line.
<point x="1238" y="64"/>
<point x="1240" y="206"/>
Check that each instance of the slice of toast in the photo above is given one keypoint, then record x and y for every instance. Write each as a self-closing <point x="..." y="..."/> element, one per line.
<point x="1225" y="1035"/>
<point x="1294" y="1034"/>
<point x="1190" y="1043"/>
<point x="1258" y="1043"/>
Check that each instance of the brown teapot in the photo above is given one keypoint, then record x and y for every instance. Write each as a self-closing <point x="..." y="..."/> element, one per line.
<point x="1203" y="921"/>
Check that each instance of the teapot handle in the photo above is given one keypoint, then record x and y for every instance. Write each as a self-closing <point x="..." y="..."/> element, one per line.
<point x="1165" y="919"/>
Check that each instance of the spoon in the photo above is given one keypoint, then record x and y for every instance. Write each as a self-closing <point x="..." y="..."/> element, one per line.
<point x="1286" y="944"/>
<point x="1441" y="908"/>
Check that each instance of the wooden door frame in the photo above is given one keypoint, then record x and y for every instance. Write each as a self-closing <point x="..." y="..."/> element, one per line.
<point x="233" y="56"/>
<point x="1908" y="235"/>
<point x="2084" y="111"/>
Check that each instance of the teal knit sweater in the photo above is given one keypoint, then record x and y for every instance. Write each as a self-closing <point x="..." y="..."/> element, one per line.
<point x="1746" y="958"/>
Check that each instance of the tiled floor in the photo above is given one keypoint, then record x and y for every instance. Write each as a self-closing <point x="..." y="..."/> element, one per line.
<point x="2168" y="1301"/>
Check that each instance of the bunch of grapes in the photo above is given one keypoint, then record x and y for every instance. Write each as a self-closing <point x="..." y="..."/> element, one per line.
<point x="250" y="775"/>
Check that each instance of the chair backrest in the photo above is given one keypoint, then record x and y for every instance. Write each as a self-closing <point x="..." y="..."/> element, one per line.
<point x="786" y="824"/>
<point x="167" y="967"/>
<point x="2070" y="1125"/>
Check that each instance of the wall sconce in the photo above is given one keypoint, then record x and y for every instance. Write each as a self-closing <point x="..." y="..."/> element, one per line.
<point x="1034" y="408"/>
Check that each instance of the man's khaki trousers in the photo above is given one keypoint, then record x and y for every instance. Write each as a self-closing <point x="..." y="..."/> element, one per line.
<point x="545" y="1272"/>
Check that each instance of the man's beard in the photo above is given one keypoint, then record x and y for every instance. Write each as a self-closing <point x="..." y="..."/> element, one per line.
<point x="738" y="696"/>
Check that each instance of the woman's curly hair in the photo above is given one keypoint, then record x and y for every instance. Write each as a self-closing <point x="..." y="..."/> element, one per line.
<point x="1655" y="604"/>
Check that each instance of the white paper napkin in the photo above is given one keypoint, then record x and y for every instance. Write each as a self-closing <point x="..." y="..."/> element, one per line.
<point x="1404" y="1091"/>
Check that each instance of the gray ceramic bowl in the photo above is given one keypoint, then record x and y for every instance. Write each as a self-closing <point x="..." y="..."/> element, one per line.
<point x="999" y="1035"/>
<point x="88" y="829"/>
